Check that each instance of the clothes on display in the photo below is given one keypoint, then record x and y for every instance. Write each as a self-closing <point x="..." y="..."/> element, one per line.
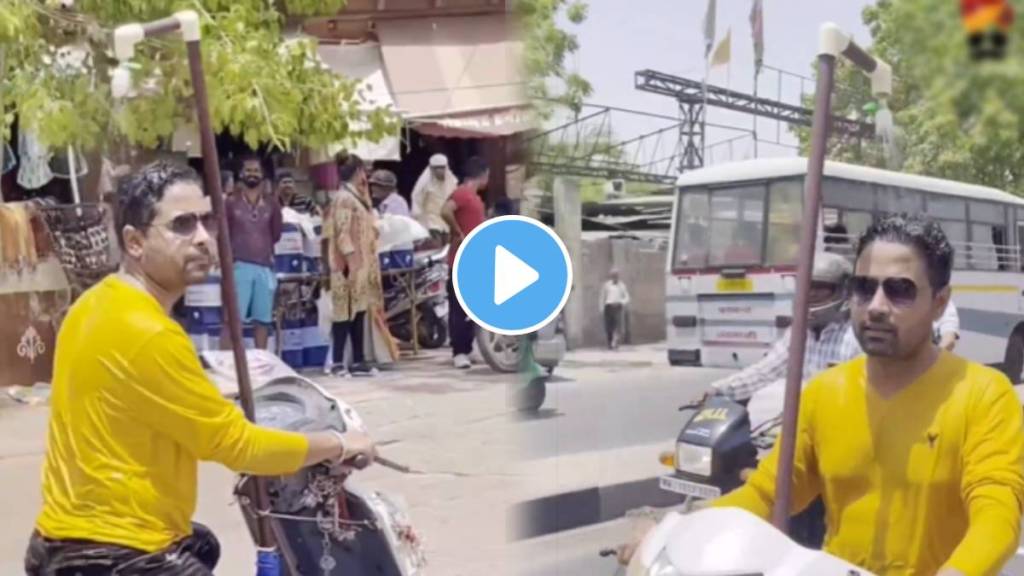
<point x="60" y="164"/>
<point x="17" y="240"/>
<point x="35" y="161"/>
<point x="10" y="160"/>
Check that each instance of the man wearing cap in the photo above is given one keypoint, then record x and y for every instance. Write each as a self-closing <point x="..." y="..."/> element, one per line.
<point x="384" y="191"/>
<point x="432" y="190"/>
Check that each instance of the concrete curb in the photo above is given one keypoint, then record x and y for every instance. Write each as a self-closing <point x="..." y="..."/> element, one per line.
<point x="585" y="507"/>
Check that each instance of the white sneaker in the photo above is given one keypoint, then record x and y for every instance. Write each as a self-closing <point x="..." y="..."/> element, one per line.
<point x="462" y="362"/>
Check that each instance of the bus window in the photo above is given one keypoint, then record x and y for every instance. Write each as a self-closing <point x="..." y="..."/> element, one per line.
<point x="988" y="213"/>
<point x="987" y="246"/>
<point x="956" y="233"/>
<point x="897" y="200"/>
<point x="737" y="226"/>
<point x="692" y="230"/>
<point x="946" y="208"/>
<point x="785" y="207"/>
<point x="848" y="195"/>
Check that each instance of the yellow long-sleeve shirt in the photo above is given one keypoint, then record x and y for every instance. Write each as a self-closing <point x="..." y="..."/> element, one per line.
<point x="929" y="478"/>
<point x="132" y="413"/>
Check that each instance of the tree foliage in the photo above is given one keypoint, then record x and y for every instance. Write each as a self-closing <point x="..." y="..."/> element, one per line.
<point x="959" y="119"/>
<point x="548" y="46"/>
<point x="263" y="88"/>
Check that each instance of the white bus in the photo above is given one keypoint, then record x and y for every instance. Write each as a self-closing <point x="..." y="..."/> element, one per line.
<point x="732" y="261"/>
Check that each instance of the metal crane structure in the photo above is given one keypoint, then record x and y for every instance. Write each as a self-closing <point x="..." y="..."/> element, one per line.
<point x="694" y="97"/>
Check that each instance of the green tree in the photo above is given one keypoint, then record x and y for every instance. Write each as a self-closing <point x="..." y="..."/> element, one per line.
<point x="262" y="88"/>
<point x="959" y="119"/>
<point x="547" y="47"/>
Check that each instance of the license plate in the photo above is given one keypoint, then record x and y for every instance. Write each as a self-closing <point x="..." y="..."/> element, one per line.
<point x="734" y="285"/>
<point x="687" y="488"/>
<point x="441" y="310"/>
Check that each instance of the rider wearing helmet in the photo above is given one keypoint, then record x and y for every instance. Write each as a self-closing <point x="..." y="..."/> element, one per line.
<point x="830" y="341"/>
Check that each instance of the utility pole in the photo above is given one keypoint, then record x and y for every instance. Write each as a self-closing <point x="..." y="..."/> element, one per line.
<point x="569" y="227"/>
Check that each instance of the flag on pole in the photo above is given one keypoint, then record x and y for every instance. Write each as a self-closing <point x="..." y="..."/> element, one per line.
<point x="757" y="29"/>
<point x="709" y="28"/>
<point x="723" y="52"/>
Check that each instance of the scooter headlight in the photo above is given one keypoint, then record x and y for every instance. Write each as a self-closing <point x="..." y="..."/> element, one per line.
<point x="693" y="459"/>
<point x="661" y="566"/>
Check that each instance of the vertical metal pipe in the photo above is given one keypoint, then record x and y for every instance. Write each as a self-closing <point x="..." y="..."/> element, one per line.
<point x="808" y="237"/>
<point x="211" y="176"/>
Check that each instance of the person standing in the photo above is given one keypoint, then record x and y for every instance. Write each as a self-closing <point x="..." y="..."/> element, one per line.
<point x="352" y="263"/>
<point x="255" y="225"/>
<point x="432" y="190"/>
<point x="384" y="191"/>
<point x="614" y="299"/>
<point x="288" y="195"/>
<point x="947" y="328"/>
<point x="463" y="212"/>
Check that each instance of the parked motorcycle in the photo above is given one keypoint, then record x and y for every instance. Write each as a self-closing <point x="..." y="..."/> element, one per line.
<point x="328" y="523"/>
<point x="431" y="277"/>
<point x="534" y="356"/>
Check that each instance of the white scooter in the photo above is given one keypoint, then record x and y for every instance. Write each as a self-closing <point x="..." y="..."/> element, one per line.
<point x="729" y="542"/>
<point x="328" y="524"/>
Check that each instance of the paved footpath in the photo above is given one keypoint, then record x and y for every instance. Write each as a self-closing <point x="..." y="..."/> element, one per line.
<point x="453" y="425"/>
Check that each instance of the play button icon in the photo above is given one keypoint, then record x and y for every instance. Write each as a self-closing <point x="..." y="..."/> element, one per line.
<point x="512" y="275"/>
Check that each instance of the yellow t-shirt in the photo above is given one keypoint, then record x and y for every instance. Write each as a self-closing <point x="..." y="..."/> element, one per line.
<point x="929" y="478"/>
<point x="132" y="413"/>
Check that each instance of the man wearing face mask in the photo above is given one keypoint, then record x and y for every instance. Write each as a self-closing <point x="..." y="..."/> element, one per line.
<point x="255" y="224"/>
<point x="133" y="412"/>
<point x="917" y="453"/>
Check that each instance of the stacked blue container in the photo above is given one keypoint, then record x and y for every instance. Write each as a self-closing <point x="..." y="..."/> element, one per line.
<point x="314" y="346"/>
<point x="292" y="342"/>
<point x="203" y="315"/>
<point x="289" y="255"/>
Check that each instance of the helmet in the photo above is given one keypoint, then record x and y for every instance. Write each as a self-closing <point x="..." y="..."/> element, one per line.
<point x="827" y="300"/>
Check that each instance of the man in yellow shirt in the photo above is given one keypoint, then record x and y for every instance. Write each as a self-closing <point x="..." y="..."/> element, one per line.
<point x="133" y="412"/>
<point x="918" y="454"/>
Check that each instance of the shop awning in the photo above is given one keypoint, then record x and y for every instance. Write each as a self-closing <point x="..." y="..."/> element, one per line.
<point x="456" y="76"/>
<point x="362" y="63"/>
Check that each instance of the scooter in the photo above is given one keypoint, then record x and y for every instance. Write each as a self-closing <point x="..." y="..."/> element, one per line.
<point x="327" y="522"/>
<point x="728" y="542"/>
<point x="533" y="356"/>
<point x="431" y="277"/>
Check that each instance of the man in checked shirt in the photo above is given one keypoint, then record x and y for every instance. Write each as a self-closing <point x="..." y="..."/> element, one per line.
<point x="830" y="341"/>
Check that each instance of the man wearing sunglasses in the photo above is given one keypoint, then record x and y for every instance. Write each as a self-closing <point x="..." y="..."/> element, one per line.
<point x="132" y="411"/>
<point x="917" y="453"/>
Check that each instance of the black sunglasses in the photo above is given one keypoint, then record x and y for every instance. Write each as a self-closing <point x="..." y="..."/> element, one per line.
<point x="187" y="224"/>
<point x="901" y="292"/>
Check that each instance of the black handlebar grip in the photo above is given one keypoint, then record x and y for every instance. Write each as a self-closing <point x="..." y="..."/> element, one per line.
<point x="606" y="552"/>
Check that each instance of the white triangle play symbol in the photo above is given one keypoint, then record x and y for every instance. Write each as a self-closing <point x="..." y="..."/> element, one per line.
<point x="511" y="275"/>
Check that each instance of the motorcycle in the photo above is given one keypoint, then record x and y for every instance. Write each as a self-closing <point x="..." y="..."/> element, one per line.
<point x="534" y="356"/>
<point x="431" y="277"/>
<point x="327" y="522"/>
<point x="728" y="542"/>
<point x="715" y="449"/>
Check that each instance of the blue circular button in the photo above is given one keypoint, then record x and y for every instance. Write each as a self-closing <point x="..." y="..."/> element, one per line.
<point x="512" y="275"/>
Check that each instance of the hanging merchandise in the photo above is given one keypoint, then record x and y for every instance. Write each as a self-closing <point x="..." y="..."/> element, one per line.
<point x="35" y="161"/>
<point x="17" y="241"/>
<point x="186" y="139"/>
<point x="60" y="164"/>
<point x="10" y="161"/>
<point x="82" y="242"/>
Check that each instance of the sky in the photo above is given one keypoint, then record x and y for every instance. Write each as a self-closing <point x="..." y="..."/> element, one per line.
<point x="620" y="37"/>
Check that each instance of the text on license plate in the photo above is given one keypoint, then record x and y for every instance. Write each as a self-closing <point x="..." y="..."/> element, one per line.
<point x="685" y="487"/>
<point x="734" y="285"/>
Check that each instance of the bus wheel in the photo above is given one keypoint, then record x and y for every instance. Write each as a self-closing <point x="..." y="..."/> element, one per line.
<point x="1013" y="364"/>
